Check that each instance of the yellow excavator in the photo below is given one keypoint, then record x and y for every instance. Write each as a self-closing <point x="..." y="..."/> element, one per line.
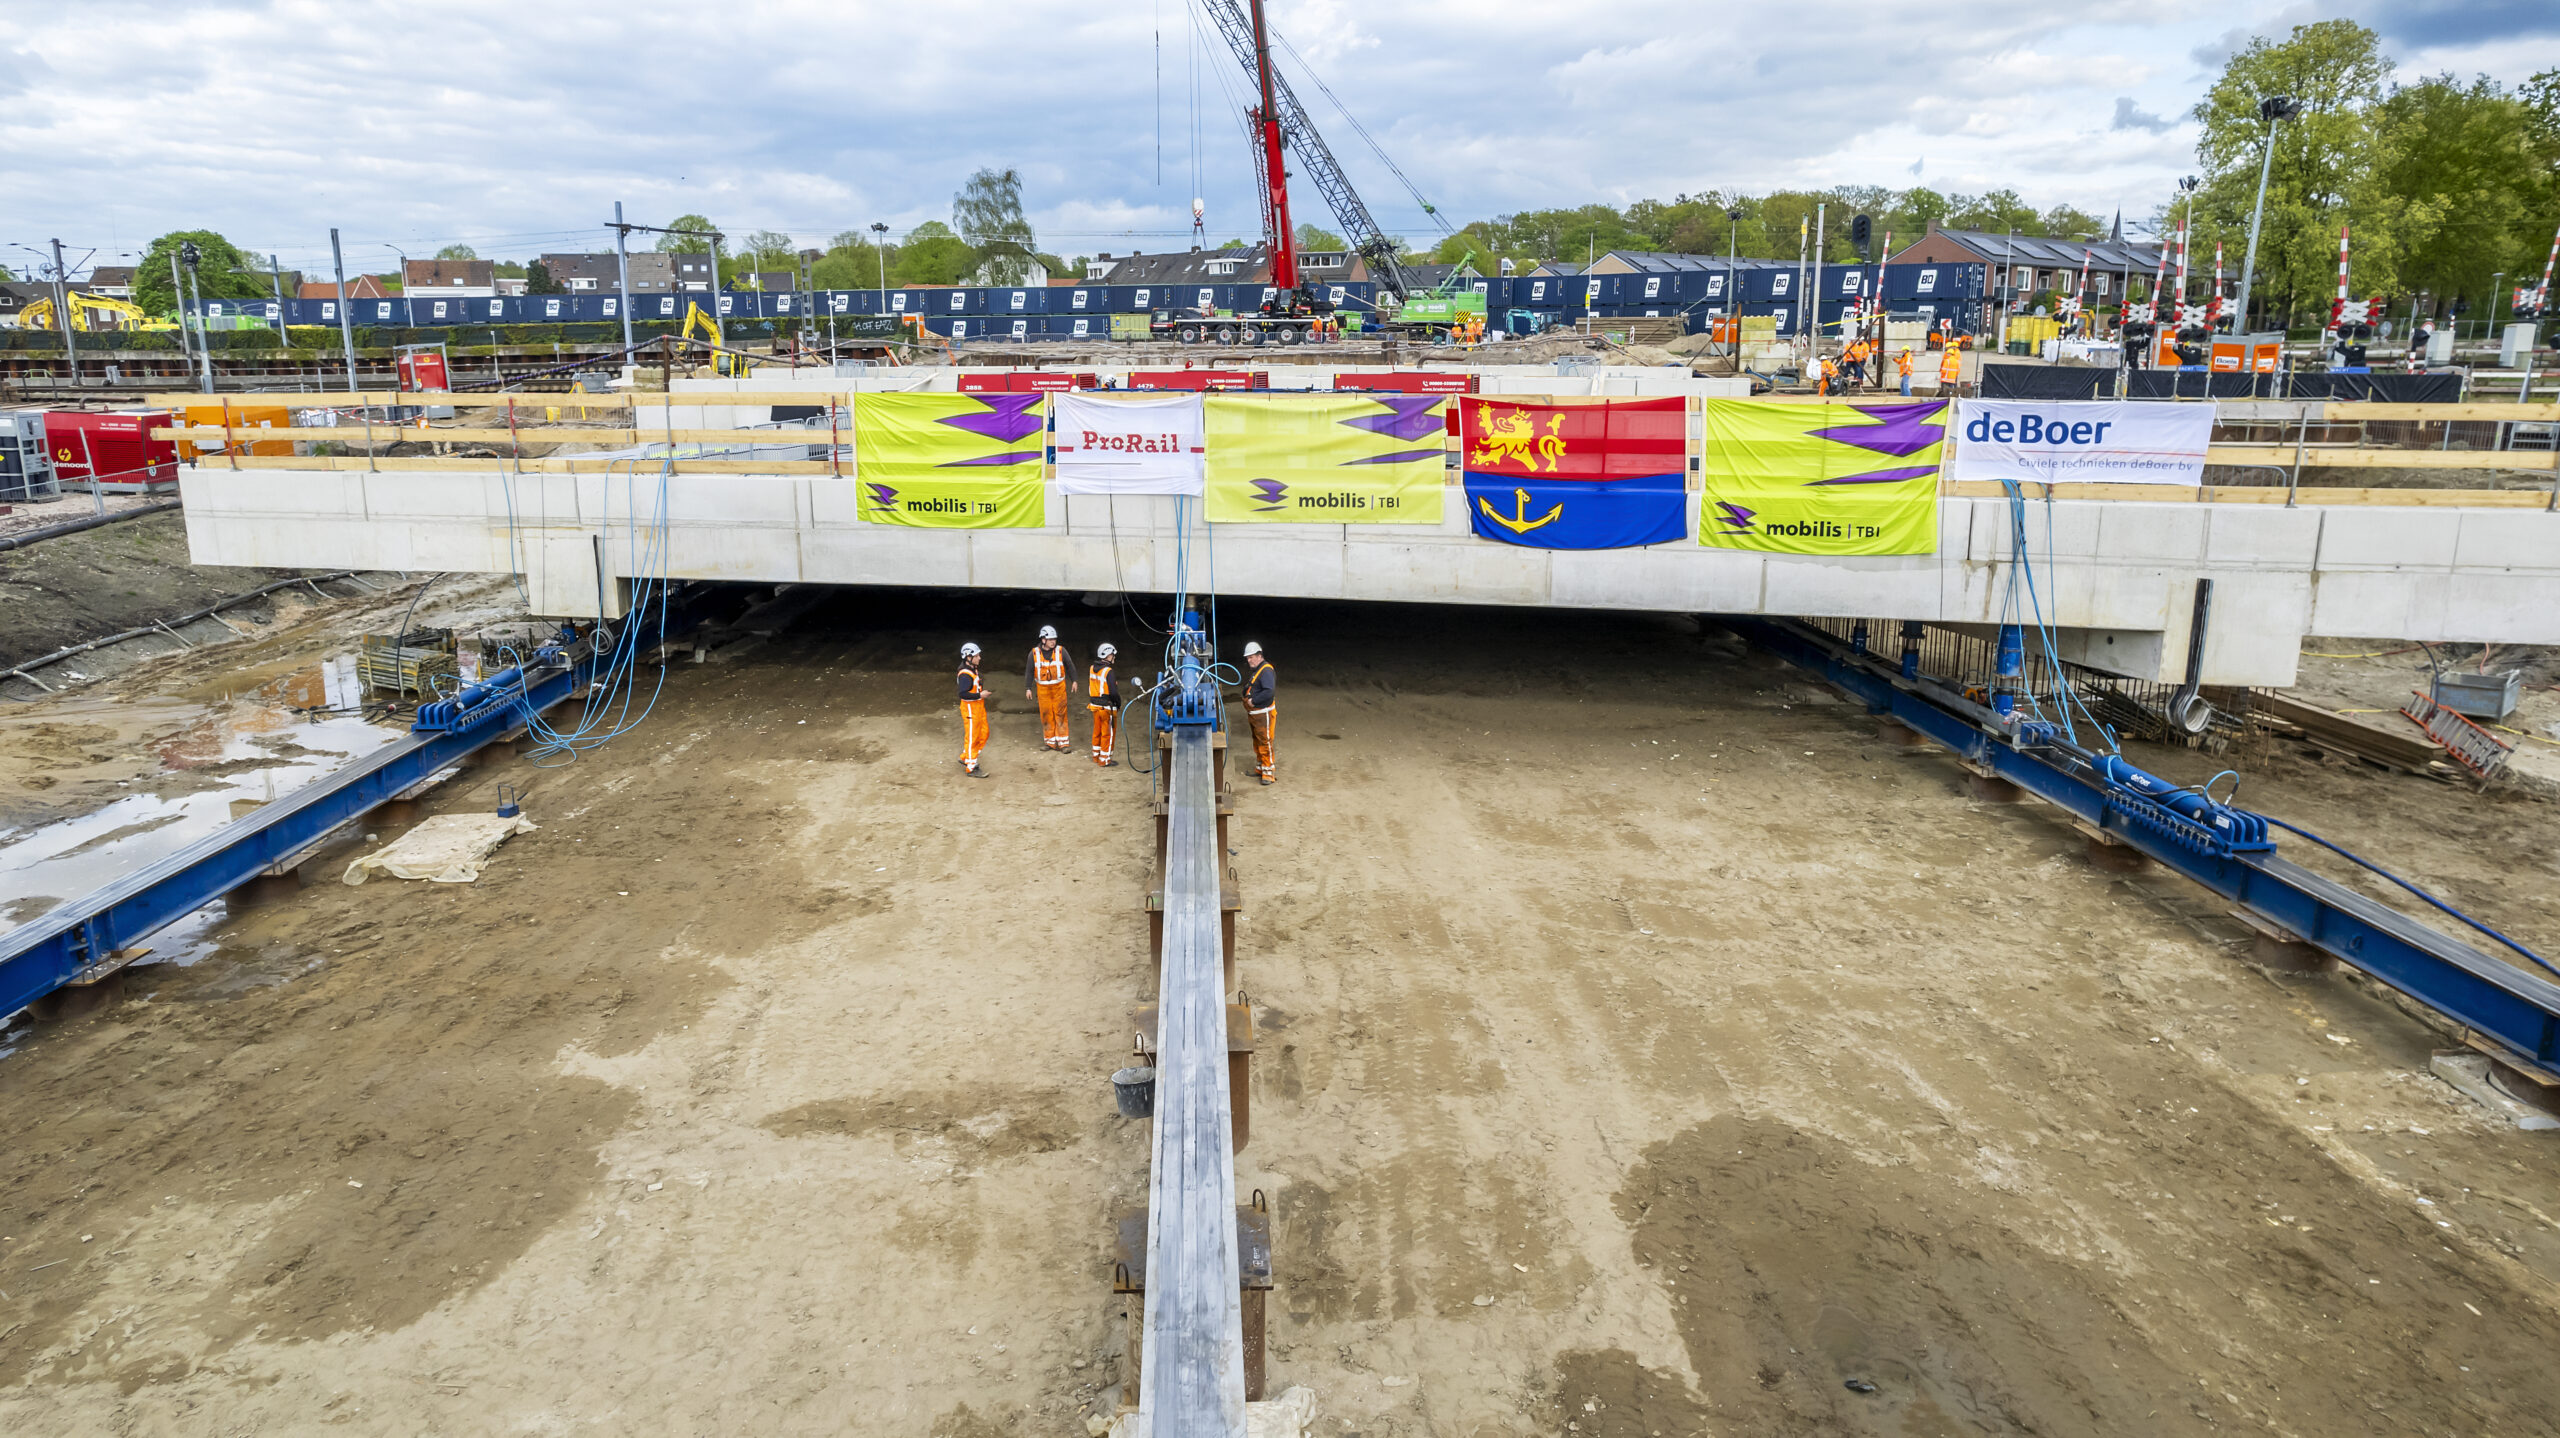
<point x="92" y="312"/>
<point x="723" y="363"/>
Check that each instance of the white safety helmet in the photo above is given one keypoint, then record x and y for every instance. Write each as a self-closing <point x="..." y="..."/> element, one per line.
<point x="1106" y="651"/>
<point x="968" y="651"/>
<point x="1048" y="631"/>
<point x="1251" y="648"/>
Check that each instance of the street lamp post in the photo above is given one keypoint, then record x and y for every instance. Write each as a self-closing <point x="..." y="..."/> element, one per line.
<point x="2271" y="109"/>
<point x="880" y="242"/>
<point x="191" y="256"/>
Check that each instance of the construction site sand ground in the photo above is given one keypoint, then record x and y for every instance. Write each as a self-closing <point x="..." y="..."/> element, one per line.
<point x="1645" y="1047"/>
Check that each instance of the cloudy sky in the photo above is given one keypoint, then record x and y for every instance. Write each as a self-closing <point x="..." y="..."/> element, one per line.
<point x="514" y="127"/>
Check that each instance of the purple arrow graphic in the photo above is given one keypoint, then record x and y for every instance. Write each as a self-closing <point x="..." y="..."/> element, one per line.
<point x="1905" y="428"/>
<point x="1008" y="417"/>
<point x="883" y="497"/>
<point x="1409" y="416"/>
<point x="1735" y="516"/>
<point x="1273" y="493"/>
<point x="1880" y="476"/>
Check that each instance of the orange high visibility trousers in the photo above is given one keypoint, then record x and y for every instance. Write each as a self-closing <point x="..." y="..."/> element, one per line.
<point x="1053" y="715"/>
<point x="1260" y="722"/>
<point x="1106" y="731"/>
<point x="973" y="732"/>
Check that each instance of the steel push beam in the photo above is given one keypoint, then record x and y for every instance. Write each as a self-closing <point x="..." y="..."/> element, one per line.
<point x="93" y="936"/>
<point x="1191" y="1367"/>
<point x="2515" y="1011"/>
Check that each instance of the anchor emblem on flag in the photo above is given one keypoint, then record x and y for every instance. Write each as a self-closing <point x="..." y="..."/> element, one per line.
<point x="1518" y="521"/>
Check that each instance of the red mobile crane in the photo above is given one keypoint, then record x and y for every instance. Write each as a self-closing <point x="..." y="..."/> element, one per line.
<point x="1297" y="311"/>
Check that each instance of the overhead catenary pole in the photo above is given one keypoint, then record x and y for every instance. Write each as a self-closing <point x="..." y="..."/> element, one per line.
<point x="346" y="309"/>
<point x="622" y="276"/>
<point x="62" y="313"/>
<point x="1813" y="296"/>
<point x="178" y="295"/>
<point x="275" y="276"/>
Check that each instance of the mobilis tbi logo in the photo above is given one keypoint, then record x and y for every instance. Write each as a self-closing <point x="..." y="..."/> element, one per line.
<point x="1270" y="495"/>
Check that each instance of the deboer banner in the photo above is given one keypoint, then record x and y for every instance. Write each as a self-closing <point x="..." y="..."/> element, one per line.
<point x="2081" y="442"/>
<point x="1822" y="478"/>
<point x="950" y="461"/>
<point x="1588" y="474"/>
<point x="1128" y="444"/>
<point x="1325" y="458"/>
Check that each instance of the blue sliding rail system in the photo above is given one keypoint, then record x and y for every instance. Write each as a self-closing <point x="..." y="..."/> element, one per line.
<point x="2226" y="850"/>
<point x="86" y="939"/>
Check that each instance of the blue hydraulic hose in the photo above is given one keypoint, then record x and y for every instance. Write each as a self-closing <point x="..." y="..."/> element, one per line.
<point x="2414" y="889"/>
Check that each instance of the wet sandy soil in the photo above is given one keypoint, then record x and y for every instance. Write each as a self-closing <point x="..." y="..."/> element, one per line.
<point x="1645" y="1048"/>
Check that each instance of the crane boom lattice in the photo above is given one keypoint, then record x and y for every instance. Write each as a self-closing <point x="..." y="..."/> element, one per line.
<point x="1321" y="167"/>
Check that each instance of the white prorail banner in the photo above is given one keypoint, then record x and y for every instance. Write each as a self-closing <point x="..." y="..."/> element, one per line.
<point x="1142" y="444"/>
<point x="2081" y="441"/>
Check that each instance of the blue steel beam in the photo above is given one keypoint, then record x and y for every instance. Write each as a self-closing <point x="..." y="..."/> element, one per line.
<point x="81" y="939"/>
<point x="2518" y="1010"/>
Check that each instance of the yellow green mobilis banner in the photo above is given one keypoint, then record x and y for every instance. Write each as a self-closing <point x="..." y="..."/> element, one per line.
<point x="1822" y="478"/>
<point x="950" y="461"/>
<point x="1325" y="458"/>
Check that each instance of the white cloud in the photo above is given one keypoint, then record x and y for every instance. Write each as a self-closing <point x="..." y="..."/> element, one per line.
<point x="516" y="127"/>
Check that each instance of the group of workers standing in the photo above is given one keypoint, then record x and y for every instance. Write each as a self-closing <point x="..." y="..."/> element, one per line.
<point x="1046" y="680"/>
<point x="1849" y="370"/>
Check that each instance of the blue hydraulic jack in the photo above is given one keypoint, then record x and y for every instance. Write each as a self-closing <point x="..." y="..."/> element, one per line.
<point x="1187" y="693"/>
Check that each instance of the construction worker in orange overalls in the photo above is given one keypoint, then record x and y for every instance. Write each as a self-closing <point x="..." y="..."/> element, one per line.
<point x="1045" y="678"/>
<point x="1950" y="368"/>
<point x="1102" y="702"/>
<point x="1261" y="702"/>
<point x="973" y="713"/>
<point x="1858" y="362"/>
<point x="1903" y="364"/>
<point x="1822" y="372"/>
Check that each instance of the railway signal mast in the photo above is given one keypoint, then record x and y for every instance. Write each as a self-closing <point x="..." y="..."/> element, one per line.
<point x="2351" y="322"/>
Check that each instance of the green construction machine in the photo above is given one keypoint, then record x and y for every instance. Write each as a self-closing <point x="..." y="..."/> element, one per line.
<point x="1453" y="305"/>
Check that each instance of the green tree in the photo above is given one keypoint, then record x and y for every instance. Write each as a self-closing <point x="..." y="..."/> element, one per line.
<point x="457" y="252"/>
<point x="223" y="272"/>
<point x="988" y="214"/>
<point x="1316" y="237"/>
<point x="538" y="281"/>
<point x="1997" y="213"/>
<point x="686" y="235"/>
<point x="2465" y="156"/>
<point x="768" y="250"/>
<point x="2324" y="172"/>
<point x="932" y="255"/>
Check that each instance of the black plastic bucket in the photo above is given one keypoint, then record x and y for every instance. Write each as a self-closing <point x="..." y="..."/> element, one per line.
<point x="1135" y="1089"/>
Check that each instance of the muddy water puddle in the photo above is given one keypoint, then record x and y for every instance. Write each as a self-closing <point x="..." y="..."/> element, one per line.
<point x="207" y="763"/>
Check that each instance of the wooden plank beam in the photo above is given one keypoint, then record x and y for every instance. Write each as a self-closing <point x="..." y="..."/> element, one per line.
<point x="557" y="464"/>
<point x="2534" y="498"/>
<point x="525" y="434"/>
<point x="2339" y="457"/>
<point x="620" y="399"/>
<point x="2345" y="410"/>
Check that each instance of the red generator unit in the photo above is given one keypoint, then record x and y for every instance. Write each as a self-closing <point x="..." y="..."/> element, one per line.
<point x="422" y="371"/>
<point x="112" y="453"/>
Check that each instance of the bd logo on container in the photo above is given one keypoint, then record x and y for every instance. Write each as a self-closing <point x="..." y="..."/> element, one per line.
<point x="2033" y="429"/>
